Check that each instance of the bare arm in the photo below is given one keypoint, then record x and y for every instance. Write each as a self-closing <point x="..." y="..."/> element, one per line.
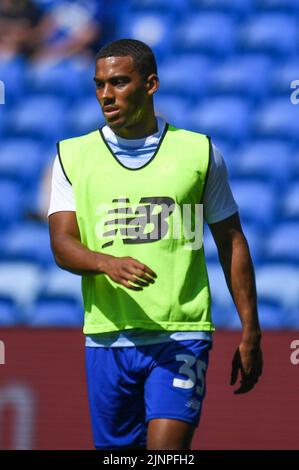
<point x="238" y="269"/>
<point x="72" y="255"/>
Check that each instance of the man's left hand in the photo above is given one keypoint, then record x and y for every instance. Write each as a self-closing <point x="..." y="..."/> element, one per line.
<point x="248" y="359"/>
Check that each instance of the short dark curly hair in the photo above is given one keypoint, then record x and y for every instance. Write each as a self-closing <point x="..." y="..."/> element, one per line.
<point x="142" y="54"/>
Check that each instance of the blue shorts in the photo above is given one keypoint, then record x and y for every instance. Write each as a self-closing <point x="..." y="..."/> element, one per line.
<point x="129" y="386"/>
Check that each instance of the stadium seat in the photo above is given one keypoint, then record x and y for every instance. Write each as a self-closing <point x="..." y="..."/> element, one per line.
<point x="11" y="203"/>
<point x="283" y="75"/>
<point x="61" y="78"/>
<point x="278" y="119"/>
<point x="290" y="203"/>
<point x="257" y="201"/>
<point x="246" y="75"/>
<point x="293" y="319"/>
<point x="268" y="159"/>
<point x="235" y="7"/>
<point x="211" y="117"/>
<point x="283" y="5"/>
<point x="49" y="312"/>
<point x="282" y="243"/>
<point x="219" y="290"/>
<point x="150" y="27"/>
<point x="21" y="159"/>
<point x="12" y="71"/>
<point x="225" y="317"/>
<point x="9" y="315"/>
<point x="21" y="282"/>
<point x="278" y="282"/>
<point x="177" y="6"/>
<point x="272" y="316"/>
<point x="194" y="34"/>
<point x="85" y="116"/>
<point x="210" y="248"/>
<point x="61" y="283"/>
<point x="271" y="33"/>
<point x="185" y="74"/>
<point x="29" y="117"/>
<point x="29" y="242"/>
<point x="172" y="108"/>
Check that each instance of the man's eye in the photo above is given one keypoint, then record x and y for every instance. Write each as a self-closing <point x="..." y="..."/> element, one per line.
<point x="99" y="84"/>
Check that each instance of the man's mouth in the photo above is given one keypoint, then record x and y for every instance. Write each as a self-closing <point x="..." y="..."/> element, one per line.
<point x="110" y="111"/>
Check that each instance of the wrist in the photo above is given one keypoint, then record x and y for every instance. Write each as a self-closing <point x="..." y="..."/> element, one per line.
<point x="103" y="262"/>
<point x="252" y="335"/>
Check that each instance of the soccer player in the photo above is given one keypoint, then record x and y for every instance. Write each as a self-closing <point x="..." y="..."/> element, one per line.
<point x="116" y="196"/>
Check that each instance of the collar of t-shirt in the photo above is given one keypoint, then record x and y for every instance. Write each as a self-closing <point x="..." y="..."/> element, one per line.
<point x="134" y="153"/>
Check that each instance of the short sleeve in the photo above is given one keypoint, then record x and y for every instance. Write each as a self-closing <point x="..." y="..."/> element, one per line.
<point x="62" y="197"/>
<point x="218" y="200"/>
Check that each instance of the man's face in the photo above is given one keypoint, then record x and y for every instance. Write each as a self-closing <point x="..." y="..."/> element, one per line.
<point x="121" y="91"/>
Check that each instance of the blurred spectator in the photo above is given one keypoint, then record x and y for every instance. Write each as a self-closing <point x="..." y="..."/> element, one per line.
<point x="22" y="26"/>
<point x="75" y="29"/>
<point x="67" y="28"/>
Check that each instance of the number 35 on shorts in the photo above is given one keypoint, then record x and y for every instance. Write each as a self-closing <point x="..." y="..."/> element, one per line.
<point x="194" y="379"/>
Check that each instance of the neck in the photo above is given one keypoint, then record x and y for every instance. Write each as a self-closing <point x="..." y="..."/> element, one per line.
<point x="140" y="130"/>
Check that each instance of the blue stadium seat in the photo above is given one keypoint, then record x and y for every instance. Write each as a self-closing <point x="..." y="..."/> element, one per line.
<point x="283" y="5"/>
<point x="9" y="314"/>
<point x="85" y="116"/>
<point x="278" y="282"/>
<point x="255" y="238"/>
<point x="219" y="290"/>
<point x="209" y="246"/>
<point x="247" y="75"/>
<point x="185" y="74"/>
<point x="270" y="32"/>
<point x="290" y="203"/>
<point x="225" y="317"/>
<point x="11" y="202"/>
<point x="196" y="33"/>
<point x="211" y="117"/>
<point x="277" y="119"/>
<point x="51" y="312"/>
<point x="21" y="282"/>
<point x="268" y="159"/>
<point x="293" y="319"/>
<point x="28" y="241"/>
<point x="60" y="283"/>
<point x="21" y="159"/>
<point x="272" y="316"/>
<point x="257" y="201"/>
<point x="12" y="73"/>
<point x="177" y="6"/>
<point x="282" y="244"/>
<point x="282" y="76"/>
<point x="172" y="108"/>
<point x="51" y="77"/>
<point x="39" y="116"/>
<point x="150" y="27"/>
<point x="237" y="7"/>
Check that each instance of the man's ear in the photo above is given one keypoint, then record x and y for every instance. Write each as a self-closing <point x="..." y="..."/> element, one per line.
<point x="152" y="84"/>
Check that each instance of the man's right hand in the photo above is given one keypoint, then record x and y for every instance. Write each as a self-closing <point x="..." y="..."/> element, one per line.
<point x="126" y="270"/>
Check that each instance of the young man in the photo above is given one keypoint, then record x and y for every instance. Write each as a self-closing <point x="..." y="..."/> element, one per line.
<point x="146" y="295"/>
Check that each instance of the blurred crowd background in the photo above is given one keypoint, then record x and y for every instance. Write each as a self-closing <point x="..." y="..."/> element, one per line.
<point x="225" y="67"/>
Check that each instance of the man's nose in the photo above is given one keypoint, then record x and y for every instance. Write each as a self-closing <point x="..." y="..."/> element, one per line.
<point x="107" y="92"/>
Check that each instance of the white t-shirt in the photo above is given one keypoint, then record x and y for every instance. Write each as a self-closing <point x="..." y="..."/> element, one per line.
<point x="218" y="204"/>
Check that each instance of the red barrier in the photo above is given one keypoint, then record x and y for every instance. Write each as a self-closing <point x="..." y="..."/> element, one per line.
<point x="43" y="395"/>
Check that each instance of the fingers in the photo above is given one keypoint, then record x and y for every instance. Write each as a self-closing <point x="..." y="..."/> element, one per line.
<point x="236" y="365"/>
